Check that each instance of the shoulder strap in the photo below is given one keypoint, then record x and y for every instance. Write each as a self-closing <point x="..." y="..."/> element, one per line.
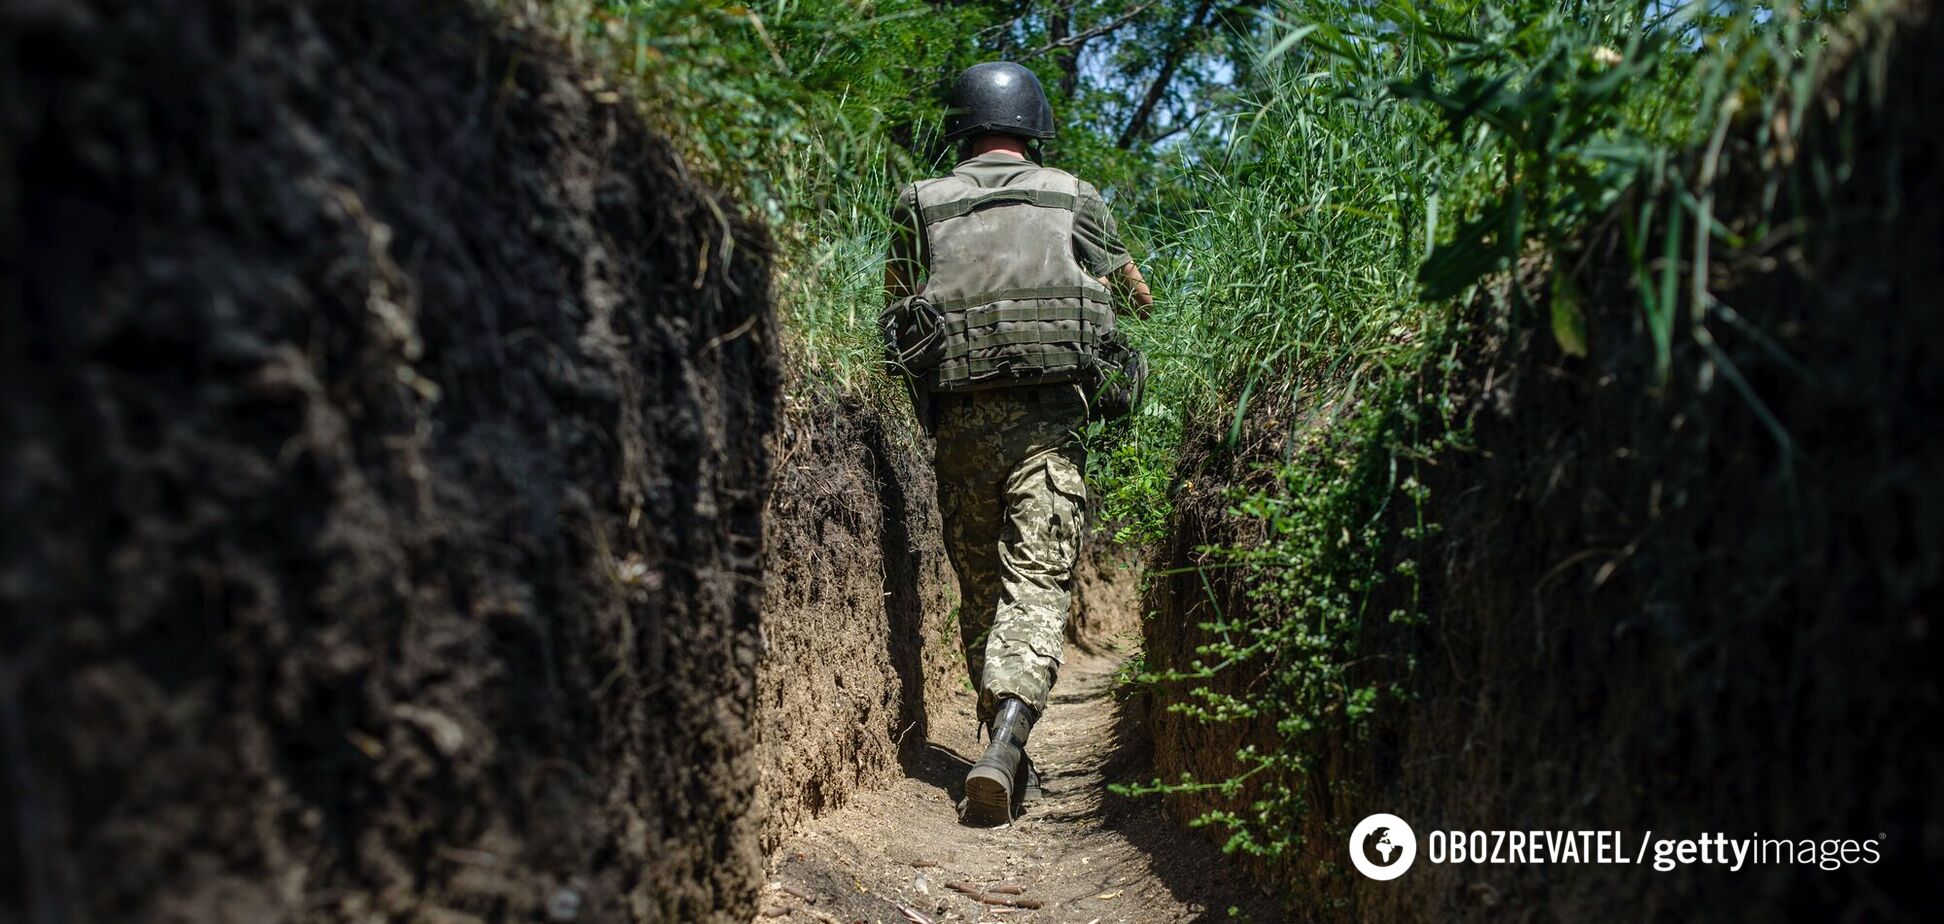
<point x="948" y="204"/>
<point x="926" y="193"/>
<point x="1044" y="198"/>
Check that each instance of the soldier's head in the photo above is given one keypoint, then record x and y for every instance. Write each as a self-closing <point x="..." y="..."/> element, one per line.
<point x="998" y="105"/>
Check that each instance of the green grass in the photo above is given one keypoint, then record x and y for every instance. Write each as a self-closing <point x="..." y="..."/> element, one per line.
<point x="1397" y="157"/>
<point x="1292" y="272"/>
<point x="1308" y="245"/>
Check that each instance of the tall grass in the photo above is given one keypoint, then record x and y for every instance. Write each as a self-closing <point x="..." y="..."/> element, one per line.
<point x="810" y="114"/>
<point x="1396" y="157"/>
<point x="1308" y="246"/>
<point x="1389" y="157"/>
<point x="1292" y="271"/>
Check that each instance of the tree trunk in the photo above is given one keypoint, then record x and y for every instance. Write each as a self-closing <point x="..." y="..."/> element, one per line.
<point x="1184" y="41"/>
<point x="1059" y="28"/>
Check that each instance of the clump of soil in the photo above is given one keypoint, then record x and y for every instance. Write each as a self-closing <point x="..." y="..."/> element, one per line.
<point x="1688" y="607"/>
<point x="382" y="421"/>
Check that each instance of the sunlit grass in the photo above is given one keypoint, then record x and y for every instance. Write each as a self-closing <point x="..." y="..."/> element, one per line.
<point x="1307" y="244"/>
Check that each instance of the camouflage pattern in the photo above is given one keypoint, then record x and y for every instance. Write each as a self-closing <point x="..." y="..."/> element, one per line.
<point x="1010" y="485"/>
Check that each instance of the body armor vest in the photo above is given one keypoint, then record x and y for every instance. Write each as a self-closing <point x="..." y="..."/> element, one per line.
<point x="1015" y="306"/>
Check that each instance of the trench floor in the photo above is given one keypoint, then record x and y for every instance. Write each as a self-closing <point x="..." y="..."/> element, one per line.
<point x="1083" y="855"/>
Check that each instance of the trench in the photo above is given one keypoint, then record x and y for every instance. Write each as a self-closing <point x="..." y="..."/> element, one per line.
<point x="868" y="722"/>
<point x="411" y="516"/>
<point x="1082" y="854"/>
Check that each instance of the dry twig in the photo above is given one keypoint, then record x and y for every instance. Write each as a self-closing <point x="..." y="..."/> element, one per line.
<point x="1073" y="41"/>
<point x="981" y="895"/>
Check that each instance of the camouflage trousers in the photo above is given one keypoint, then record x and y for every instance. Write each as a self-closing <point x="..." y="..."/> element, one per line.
<point x="1011" y="488"/>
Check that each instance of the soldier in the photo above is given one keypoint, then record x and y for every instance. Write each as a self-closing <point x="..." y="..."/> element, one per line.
<point x="1001" y="279"/>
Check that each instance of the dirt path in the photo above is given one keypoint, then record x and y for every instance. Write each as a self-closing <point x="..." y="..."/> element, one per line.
<point x="1084" y="854"/>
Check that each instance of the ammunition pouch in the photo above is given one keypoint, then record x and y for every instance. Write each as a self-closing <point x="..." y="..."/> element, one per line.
<point x="914" y="336"/>
<point x="1118" y="381"/>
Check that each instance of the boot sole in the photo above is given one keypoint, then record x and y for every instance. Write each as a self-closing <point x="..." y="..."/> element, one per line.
<point x="988" y="797"/>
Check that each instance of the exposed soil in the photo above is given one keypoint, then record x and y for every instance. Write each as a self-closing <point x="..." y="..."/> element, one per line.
<point x="382" y="414"/>
<point x="1645" y="611"/>
<point x="857" y="606"/>
<point x="867" y="712"/>
<point x="1106" y="593"/>
<point x="391" y="534"/>
<point x="392" y="531"/>
<point x="1083" y="854"/>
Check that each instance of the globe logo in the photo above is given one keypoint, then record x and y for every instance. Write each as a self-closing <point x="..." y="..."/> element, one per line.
<point x="1378" y="847"/>
<point x="1382" y="846"/>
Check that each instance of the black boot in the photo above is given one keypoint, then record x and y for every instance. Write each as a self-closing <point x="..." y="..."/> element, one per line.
<point x="989" y="787"/>
<point x="1030" y="790"/>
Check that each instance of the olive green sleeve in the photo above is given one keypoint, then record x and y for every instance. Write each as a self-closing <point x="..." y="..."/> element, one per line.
<point x="906" y="244"/>
<point x="1096" y="239"/>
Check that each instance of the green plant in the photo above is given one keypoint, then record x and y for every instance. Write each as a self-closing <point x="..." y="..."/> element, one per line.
<point x="1396" y="157"/>
<point x="1336" y="175"/>
<point x="1331" y="520"/>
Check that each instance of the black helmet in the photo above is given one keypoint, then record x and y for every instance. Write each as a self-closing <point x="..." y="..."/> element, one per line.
<point x="998" y="96"/>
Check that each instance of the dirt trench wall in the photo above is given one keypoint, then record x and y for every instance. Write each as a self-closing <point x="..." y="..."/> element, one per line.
<point x="862" y="664"/>
<point x="1107" y="594"/>
<point x="1645" y="613"/>
<point x="382" y="421"/>
<point x="860" y="651"/>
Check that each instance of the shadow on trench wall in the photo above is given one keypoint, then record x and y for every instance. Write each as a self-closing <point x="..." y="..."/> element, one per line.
<point x="858" y="602"/>
<point x="382" y="477"/>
